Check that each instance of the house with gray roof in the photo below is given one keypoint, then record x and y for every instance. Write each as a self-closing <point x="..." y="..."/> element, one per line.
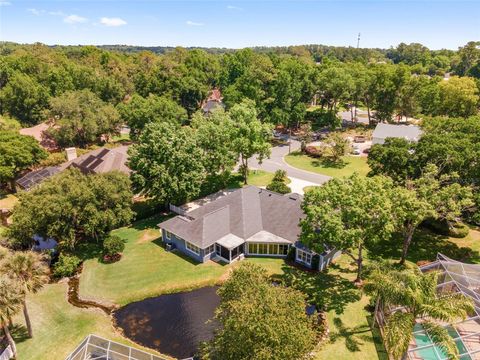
<point x="407" y="132"/>
<point x="246" y="222"/>
<point x="97" y="161"/>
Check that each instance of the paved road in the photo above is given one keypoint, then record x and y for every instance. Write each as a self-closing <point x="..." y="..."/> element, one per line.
<point x="276" y="162"/>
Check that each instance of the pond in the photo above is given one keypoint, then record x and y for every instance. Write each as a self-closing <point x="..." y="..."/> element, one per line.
<point x="173" y="324"/>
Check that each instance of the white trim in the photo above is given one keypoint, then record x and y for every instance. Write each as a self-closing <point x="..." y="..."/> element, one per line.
<point x="206" y="250"/>
<point x="305" y="254"/>
<point x="168" y="234"/>
<point x="267" y="253"/>
<point x="192" y="251"/>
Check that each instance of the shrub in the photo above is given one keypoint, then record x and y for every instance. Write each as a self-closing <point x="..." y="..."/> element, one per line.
<point x="113" y="245"/>
<point x="280" y="175"/>
<point x="459" y="230"/>
<point x="313" y="151"/>
<point x="279" y="187"/>
<point x="66" y="265"/>
<point x="54" y="159"/>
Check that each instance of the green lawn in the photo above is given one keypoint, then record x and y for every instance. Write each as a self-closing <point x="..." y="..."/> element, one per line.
<point x="59" y="327"/>
<point x="146" y="269"/>
<point x="255" y="177"/>
<point x="7" y="201"/>
<point x="350" y="165"/>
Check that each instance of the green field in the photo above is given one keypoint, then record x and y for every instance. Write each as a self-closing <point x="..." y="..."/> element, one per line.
<point x="350" y="165"/>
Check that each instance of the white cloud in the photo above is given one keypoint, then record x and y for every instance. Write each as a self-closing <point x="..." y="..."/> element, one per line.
<point x="36" y="11"/>
<point x="74" y="19"/>
<point x="112" y="21"/>
<point x="193" y="23"/>
<point x="5" y="3"/>
<point x="56" y="13"/>
<point x="232" y="7"/>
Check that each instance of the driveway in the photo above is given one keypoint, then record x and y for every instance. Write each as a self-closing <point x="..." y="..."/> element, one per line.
<point x="276" y="162"/>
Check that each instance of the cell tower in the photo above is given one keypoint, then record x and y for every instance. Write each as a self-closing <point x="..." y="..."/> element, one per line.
<point x="358" y="41"/>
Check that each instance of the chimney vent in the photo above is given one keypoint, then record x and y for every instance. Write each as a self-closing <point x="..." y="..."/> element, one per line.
<point x="71" y="153"/>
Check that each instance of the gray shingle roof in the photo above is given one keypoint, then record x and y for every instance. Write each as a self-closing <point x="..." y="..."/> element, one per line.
<point x="409" y="132"/>
<point x="101" y="160"/>
<point x="244" y="213"/>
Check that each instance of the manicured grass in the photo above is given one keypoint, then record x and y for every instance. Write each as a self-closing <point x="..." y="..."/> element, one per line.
<point x="350" y="165"/>
<point x="58" y="327"/>
<point x="258" y="178"/>
<point x="8" y="201"/>
<point x="349" y="321"/>
<point x="147" y="270"/>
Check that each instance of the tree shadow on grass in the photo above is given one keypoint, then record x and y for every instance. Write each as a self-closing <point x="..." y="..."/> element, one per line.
<point x="19" y="333"/>
<point x="424" y="247"/>
<point x="327" y="290"/>
<point x="354" y="337"/>
<point x="329" y="163"/>
<point x="151" y="222"/>
<point x="377" y="339"/>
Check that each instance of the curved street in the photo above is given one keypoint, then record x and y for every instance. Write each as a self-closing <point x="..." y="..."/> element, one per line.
<point x="277" y="162"/>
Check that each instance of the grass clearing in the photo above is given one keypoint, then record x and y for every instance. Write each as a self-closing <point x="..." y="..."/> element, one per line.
<point x="147" y="270"/>
<point x="255" y="177"/>
<point x="8" y="201"/>
<point x="350" y="165"/>
<point x="58" y="327"/>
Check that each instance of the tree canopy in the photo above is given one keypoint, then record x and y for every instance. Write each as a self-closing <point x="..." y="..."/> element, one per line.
<point x="17" y="153"/>
<point x="348" y="214"/>
<point x="72" y="207"/>
<point x="259" y="320"/>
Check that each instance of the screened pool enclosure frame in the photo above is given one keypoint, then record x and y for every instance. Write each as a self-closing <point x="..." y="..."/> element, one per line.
<point x="454" y="276"/>
<point x="94" y="347"/>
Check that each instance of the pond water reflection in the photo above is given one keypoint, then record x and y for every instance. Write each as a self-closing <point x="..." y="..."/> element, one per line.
<point x="173" y="324"/>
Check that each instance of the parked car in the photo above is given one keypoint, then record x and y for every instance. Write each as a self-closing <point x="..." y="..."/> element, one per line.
<point x="366" y="151"/>
<point x="356" y="151"/>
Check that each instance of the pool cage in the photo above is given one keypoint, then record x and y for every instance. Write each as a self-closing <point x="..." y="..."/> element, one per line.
<point x="454" y="276"/>
<point x="94" y="347"/>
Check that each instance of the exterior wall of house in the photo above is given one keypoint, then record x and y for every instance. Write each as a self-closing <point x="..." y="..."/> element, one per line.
<point x="304" y="257"/>
<point x="181" y="245"/>
<point x="326" y="259"/>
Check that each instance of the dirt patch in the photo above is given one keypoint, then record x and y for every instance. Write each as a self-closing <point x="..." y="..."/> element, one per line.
<point x="148" y="235"/>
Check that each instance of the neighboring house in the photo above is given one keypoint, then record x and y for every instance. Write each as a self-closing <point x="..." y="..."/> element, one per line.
<point x="98" y="161"/>
<point x="213" y="101"/>
<point x="40" y="133"/>
<point x="246" y="222"/>
<point x="383" y="131"/>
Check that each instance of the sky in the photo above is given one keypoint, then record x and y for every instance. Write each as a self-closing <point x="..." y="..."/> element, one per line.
<point x="236" y="24"/>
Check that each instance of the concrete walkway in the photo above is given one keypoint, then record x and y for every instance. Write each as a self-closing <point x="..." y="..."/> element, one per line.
<point x="276" y="162"/>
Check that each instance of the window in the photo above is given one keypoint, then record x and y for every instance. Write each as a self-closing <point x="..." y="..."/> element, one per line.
<point x="304" y="257"/>
<point x="267" y="249"/>
<point x="283" y="249"/>
<point x="210" y="249"/>
<point x="168" y="235"/>
<point x="193" y="248"/>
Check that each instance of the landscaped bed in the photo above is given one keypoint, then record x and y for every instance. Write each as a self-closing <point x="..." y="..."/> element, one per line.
<point x="350" y="165"/>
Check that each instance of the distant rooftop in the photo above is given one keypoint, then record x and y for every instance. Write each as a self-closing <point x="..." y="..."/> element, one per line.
<point x="409" y="132"/>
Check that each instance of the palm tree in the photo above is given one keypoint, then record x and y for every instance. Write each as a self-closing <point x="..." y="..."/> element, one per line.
<point x="30" y="272"/>
<point x="416" y="293"/>
<point x="11" y="298"/>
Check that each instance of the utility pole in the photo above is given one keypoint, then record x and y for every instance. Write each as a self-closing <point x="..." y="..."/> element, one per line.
<point x="355" y="116"/>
